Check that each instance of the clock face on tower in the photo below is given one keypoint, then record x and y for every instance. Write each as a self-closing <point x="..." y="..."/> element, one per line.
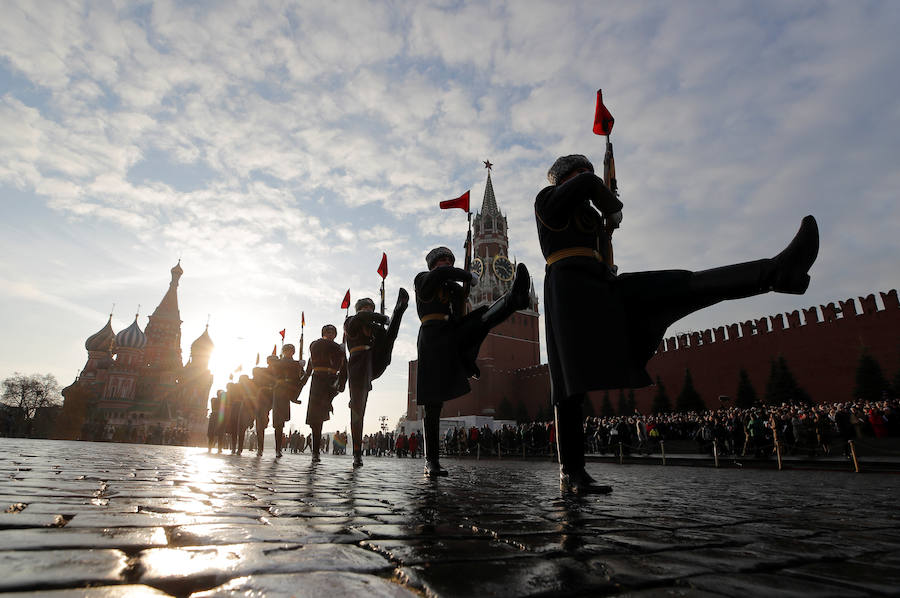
<point x="478" y="267"/>
<point x="503" y="268"/>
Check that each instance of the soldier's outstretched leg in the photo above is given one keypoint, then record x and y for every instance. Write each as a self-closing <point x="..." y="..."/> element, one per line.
<point x="787" y="272"/>
<point x="569" y="420"/>
<point x="384" y="345"/>
<point x="515" y="299"/>
<point x="432" y="428"/>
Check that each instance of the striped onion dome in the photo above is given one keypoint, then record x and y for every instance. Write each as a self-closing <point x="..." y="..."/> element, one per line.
<point x="132" y="337"/>
<point x="100" y="341"/>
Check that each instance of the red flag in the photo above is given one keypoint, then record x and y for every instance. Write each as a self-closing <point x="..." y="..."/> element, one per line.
<point x="461" y="202"/>
<point x="346" y="302"/>
<point x="281" y="332"/>
<point x="603" y="120"/>
<point x="275" y="349"/>
<point x="302" y="319"/>
<point x="382" y="267"/>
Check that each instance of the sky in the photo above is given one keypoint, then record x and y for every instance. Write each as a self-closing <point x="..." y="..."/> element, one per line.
<point x="278" y="148"/>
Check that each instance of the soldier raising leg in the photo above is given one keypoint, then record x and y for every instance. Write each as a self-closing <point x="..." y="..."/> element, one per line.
<point x="449" y="339"/>
<point x="370" y="339"/>
<point x="603" y="327"/>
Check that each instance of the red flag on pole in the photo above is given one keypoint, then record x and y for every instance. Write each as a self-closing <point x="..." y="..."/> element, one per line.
<point x="302" y="319"/>
<point x="603" y="120"/>
<point x="461" y="202"/>
<point x="382" y="267"/>
<point x="281" y="332"/>
<point x="346" y="302"/>
<point x="275" y="349"/>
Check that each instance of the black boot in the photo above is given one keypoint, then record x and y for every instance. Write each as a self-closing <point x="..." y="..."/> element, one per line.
<point x="784" y="273"/>
<point x="517" y="298"/>
<point x="570" y="446"/>
<point x="792" y="265"/>
<point x="356" y="427"/>
<point x="279" y="439"/>
<point x="432" y="429"/>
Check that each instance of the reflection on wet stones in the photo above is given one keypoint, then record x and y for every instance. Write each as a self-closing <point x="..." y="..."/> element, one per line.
<point x="185" y="522"/>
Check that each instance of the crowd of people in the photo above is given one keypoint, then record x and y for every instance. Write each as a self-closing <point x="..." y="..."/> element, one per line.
<point x="804" y="429"/>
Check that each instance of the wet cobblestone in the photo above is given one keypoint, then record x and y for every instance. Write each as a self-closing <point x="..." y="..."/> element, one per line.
<point x="110" y="520"/>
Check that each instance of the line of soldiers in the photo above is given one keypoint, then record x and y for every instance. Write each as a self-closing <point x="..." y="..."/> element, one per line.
<point x="370" y="338"/>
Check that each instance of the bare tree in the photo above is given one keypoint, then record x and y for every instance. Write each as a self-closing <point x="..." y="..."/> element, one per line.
<point x="28" y="394"/>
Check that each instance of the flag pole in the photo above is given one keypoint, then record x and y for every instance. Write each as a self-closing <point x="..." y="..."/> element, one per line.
<point x="302" y="327"/>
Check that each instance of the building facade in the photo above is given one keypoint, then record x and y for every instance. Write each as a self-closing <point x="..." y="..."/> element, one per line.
<point x="134" y="387"/>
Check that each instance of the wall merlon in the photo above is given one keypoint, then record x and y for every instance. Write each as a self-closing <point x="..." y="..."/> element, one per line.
<point x="777" y="322"/>
<point x="748" y="328"/>
<point x="829" y="312"/>
<point x="719" y="331"/>
<point x="683" y="341"/>
<point x="793" y="319"/>
<point x="868" y="304"/>
<point x="811" y="315"/>
<point x="848" y="308"/>
<point x="707" y="337"/>
<point x="890" y="299"/>
<point x="762" y="325"/>
<point x="733" y="333"/>
<point x="695" y="339"/>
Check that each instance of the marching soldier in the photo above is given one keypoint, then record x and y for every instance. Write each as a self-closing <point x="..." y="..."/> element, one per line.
<point x="287" y="387"/>
<point x="602" y="327"/>
<point x="213" y="426"/>
<point x="328" y="370"/>
<point x="264" y="378"/>
<point x="449" y="339"/>
<point x="370" y="339"/>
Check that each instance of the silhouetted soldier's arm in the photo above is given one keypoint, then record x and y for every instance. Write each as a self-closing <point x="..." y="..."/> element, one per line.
<point x="556" y="203"/>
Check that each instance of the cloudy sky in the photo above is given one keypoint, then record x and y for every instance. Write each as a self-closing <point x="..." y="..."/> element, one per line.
<point x="278" y="148"/>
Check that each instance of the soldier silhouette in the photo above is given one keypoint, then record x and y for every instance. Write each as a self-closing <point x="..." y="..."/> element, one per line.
<point x="370" y="340"/>
<point x="449" y="339"/>
<point x="287" y="387"/>
<point x="603" y="327"/>
<point x="328" y="370"/>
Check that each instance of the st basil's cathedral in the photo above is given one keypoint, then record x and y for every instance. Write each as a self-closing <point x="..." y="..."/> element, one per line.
<point x="134" y="387"/>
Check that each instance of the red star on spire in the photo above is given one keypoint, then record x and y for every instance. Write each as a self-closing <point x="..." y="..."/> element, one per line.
<point x="487" y="164"/>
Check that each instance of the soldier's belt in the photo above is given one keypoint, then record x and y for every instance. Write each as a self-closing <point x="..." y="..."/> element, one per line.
<point x="324" y="370"/>
<point x="434" y="317"/>
<point x="573" y="252"/>
<point x="359" y="348"/>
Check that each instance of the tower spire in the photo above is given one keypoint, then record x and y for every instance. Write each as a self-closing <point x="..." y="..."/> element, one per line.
<point x="489" y="204"/>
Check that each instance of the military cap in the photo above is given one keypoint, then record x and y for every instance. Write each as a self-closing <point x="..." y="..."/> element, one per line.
<point x="565" y="165"/>
<point x="437" y="253"/>
<point x="364" y="302"/>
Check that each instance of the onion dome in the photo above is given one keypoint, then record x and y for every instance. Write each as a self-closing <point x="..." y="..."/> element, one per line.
<point x="203" y="344"/>
<point x="100" y="341"/>
<point x="132" y="337"/>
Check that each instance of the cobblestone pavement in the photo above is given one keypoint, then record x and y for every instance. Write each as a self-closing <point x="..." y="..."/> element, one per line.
<point x="94" y="519"/>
